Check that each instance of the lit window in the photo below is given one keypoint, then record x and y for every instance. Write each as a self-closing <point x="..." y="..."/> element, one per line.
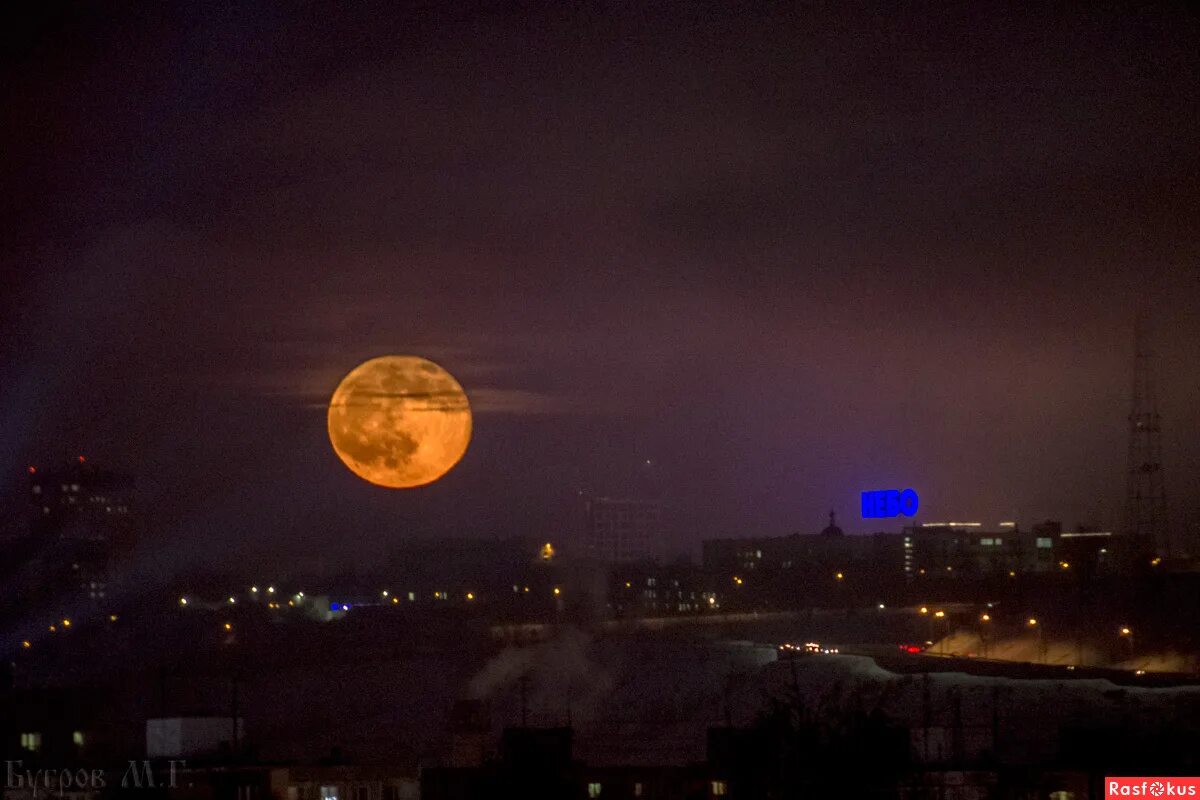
<point x="31" y="742"/>
<point x="77" y="738"/>
<point x="329" y="793"/>
<point x="719" y="789"/>
<point x="594" y="790"/>
<point x="1045" y="542"/>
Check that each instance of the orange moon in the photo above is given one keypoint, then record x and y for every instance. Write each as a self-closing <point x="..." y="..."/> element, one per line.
<point x="399" y="421"/>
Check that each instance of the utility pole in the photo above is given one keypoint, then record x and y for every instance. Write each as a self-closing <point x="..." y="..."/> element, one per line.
<point x="233" y="711"/>
<point x="524" y="681"/>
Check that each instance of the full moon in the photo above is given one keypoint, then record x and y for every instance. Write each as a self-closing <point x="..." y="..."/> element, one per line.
<point x="399" y="421"/>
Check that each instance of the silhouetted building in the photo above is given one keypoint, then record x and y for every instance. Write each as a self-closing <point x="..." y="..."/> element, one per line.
<point x="966" y="550"/>
<point x="538" y="763"/>
<point x="832" y="528"/>
<point x="653" y="589"/>
<point x="786" y="571"/>
<point x="61" y="728"/>
<point x="81" y="516"/>
<point x="622" y="531"/>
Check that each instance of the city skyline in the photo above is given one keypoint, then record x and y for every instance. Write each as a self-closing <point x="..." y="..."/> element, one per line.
<point x="872" y="271"/>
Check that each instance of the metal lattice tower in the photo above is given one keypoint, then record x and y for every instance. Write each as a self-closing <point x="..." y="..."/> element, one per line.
<point x="1145" y="495"/>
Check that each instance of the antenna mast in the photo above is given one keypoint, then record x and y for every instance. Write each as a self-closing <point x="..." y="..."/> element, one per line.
<point x="1145" y="495"/>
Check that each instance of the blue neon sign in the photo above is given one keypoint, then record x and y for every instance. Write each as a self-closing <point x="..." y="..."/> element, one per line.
<point x="890" y="503"/>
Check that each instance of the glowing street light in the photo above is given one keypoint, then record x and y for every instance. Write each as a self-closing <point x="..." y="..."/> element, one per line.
<point x="183" y="601"/>
<point x="924" y="609"/>
<point x="939" y="614"/>
<point x="985" y="618"/>
<point x="1127" y="635"/>
<point x="839" y="576"/>
<point x="1033" y="623"/>
<point x="228" y="626"/>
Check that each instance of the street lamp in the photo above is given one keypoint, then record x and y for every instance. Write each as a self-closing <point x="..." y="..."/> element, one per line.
<point x="1127" y="635"/>
<point x="983" y="637"/>
<point x="1033" y="623"/>
<point x="939" y="614"/>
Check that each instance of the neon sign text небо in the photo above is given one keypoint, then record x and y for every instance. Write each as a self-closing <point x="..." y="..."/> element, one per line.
<point x="890" y="503"/>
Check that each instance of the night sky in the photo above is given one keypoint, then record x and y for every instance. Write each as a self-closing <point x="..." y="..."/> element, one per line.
<point x="783" y="253"/>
